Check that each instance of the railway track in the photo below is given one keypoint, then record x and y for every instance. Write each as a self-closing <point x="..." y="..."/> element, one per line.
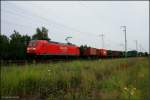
<point x="44" y="61"/>
<point x="36" y="61"/>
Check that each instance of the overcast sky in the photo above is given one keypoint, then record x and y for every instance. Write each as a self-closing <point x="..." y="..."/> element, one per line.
<point x="84" y="21"/>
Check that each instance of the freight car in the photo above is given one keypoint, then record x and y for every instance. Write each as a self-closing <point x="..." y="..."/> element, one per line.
<point x="132" y="53"/>
<point x="88" y="52"/>
<point x="115" y="54"/>
<point x="51" y="49"/>
<point x="44" y="48"/>
<point x="101" y="53"/>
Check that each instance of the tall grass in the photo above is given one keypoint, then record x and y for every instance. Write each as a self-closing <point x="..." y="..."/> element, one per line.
<point x="78" y="80"/>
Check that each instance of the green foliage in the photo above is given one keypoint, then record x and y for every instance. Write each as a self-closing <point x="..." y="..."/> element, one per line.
<point x="82" y="48"/>
<point x="118" y="79"/>
<point x="26" y="39"/>
<point x="4" y="47"/>
<point x="146" y="53"/>
<point x="18" y="44"/>
<point x="15" y="47"/>
<point x="41" y="34"/>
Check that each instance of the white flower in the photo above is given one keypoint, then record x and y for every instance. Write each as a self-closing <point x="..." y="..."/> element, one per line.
<point x="49" y="70"/>
<point x="125" y="88"/>
<point x="132" y="92"/>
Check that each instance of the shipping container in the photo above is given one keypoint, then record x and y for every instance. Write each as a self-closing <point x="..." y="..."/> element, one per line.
<point x="102" y="53"/>
<point x="114" y="53"/>
<point x="89" y="51"/>
<point x="132" y="53"/>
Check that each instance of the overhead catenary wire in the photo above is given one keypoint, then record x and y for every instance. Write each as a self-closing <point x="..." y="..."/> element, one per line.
<point x="48" y="21"/>
<point x="52" y="21"/>
<point x="24" y="13"/>
<point x="30" y="16"/>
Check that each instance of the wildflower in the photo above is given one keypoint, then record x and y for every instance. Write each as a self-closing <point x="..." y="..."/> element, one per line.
<point x="49" y="70"/>
<point x="125" y="88"/>
<point x="132" y="92"/>
<point x="134" y="88"/>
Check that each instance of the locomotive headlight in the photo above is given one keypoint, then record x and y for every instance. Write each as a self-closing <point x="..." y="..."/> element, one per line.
<point x="28" y="49"/>
<point x="33" y="48"/>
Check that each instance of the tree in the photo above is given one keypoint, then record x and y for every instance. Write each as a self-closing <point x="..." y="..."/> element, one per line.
<point x="18" y="44"/>
<point x="4" y="47"/>
<point x="41" y="34"/>
<point x="26" y="39"/>
<point x="146" y="53"/>
<point x="15" y="37"/>
<point x="82" y="48"/>
<point x="15" y="44"/>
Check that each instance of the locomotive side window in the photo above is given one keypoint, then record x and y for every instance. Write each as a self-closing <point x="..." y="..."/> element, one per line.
<point x="33" y="44"/>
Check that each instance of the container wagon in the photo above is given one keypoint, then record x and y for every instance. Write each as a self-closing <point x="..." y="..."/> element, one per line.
<point x="101" y="53"/>
<point x="89" y="52"/>
<point x="132" y="53"/>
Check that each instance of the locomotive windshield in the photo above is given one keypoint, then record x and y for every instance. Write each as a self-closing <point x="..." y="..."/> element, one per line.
<point x="33" y="43"/>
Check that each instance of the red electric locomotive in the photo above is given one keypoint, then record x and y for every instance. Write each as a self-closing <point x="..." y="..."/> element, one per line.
<point x="50" y="48"/>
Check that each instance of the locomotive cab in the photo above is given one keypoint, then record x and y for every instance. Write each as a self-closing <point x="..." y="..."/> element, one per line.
<point x="50" y="49"/>
<point x="34" y="46"/>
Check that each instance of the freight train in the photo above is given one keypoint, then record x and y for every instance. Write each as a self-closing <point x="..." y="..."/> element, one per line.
<point x="51" y="49"/>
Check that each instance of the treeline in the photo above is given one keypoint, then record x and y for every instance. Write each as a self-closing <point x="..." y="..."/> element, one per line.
<point x="14" y="47"/>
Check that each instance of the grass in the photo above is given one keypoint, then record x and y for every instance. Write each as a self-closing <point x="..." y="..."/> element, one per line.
<point x="117" y="79"/>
